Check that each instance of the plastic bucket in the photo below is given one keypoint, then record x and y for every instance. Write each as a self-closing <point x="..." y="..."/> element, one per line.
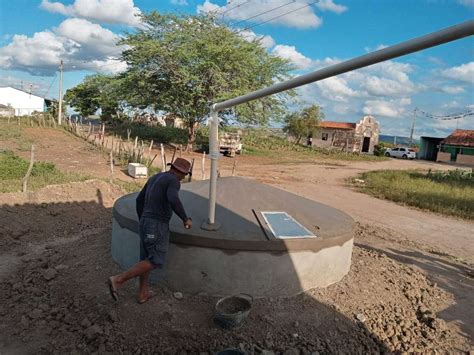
<point x="231" y="311"/>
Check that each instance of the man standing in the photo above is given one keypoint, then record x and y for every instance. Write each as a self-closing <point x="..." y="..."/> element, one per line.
<point x="155" y="205"/>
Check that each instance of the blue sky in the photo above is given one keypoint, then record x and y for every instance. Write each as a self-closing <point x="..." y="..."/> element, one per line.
<point x="35" y="35"/>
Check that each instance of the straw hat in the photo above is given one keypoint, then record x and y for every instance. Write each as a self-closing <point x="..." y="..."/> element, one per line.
<point x="182" y="165"/>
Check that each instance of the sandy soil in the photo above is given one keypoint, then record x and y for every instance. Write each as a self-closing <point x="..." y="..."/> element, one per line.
<point x="408" y="288"/>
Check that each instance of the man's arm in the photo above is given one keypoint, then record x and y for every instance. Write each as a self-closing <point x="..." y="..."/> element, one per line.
<point x="175" y="202"/>
<point x="141" y="201"/>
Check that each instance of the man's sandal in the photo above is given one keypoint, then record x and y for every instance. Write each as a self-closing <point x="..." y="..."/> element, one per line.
<point x="151" y="294"/>
<point x="112" y="289"/>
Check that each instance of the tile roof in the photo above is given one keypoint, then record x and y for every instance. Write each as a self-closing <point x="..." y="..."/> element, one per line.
<point x="463" y="137"/>
<point x="337" y="125"/>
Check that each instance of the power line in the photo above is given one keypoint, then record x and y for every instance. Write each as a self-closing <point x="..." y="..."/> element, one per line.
<point x="232" y="8"/>
<point x="453" y="116"/>
<point x="277" y="17"/>
<point x="263" y="13"/>
<point x="51" y="85"/>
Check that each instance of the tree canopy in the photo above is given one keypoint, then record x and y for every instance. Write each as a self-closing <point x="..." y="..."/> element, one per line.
<point x="94" y="93"/>
<point x="182" y="64"/>
<point x="304" y="123"/>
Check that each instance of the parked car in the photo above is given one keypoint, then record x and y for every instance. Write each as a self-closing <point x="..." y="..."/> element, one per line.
<point x="404" y="153"/>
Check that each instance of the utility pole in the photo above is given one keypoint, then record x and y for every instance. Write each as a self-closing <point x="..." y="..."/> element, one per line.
<point x="60" y="110"/>
<point x="413" y="126"/>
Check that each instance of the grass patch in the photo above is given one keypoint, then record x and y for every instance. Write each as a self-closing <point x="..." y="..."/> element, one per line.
<point x="130" y="186"/>
<point x="14" y="134"/>
<point x="13" y="169"/>
<point x="449" y="193"/>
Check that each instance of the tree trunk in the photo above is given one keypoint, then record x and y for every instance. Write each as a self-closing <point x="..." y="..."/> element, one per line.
<point x="191" y="136"/>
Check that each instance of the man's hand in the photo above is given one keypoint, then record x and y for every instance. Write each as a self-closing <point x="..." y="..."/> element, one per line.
<point x="188" y="223"/>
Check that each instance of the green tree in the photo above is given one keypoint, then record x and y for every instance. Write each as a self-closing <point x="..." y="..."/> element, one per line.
<point x="94" y="93"/>
<point x="303" y="123"/>
<point x="182" y="64"/>
<point x="84" y="97"/>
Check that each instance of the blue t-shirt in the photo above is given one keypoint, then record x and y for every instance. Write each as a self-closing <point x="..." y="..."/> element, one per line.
<point x="159" y="198"/>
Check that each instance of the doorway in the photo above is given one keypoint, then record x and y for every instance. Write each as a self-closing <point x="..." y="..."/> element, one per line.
<point x="366" y="145"/>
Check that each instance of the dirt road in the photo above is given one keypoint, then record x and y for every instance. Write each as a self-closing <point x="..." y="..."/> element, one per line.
<point x="328" y="184"/>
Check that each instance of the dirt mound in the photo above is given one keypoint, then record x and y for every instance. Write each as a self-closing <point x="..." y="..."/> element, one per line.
<point x="56" y="301"/>
<point x="55" y="213"/>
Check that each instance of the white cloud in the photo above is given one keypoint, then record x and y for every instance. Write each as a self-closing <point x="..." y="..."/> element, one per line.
<point x="89" y="36"/>
<point x="179" y="2"/>
<point x="453" y="90"/>
<point x="379" y="47"/>
<point x="336" y="89"/>
<point x="468" y="3"/>
<point x="391" y="108"/>
<point x="329" y="5"/>
<point x="290" y="53"/>
<point x="266" y="40"/>
<point x="386" y="79"/>
<point x="451" y="104"/>
<point x="343" y="109"/>
<point x="464" y="72"/>
<point x="295" y="14"/>
<point x="80" y="43"/>
<point x="108" y="11"/>
<point x="209" y="7"/>
<point x="378" y="86"/>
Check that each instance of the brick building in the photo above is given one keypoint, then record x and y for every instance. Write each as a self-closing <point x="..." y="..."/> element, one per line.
<point x="348" y="136"/>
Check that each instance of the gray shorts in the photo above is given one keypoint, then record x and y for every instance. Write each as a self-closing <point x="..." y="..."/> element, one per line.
<point x="154" y="239"/>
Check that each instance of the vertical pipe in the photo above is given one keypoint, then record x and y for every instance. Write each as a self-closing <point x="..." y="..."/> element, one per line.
<point x="214" y="156"/>
<point x="60" y="108"/>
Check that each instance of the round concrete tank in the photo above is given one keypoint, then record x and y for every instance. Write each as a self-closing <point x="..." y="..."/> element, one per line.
<point x="243" y="255"/>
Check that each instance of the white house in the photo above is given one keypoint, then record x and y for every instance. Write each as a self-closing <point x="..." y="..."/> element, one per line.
<point x="24" y="103"/>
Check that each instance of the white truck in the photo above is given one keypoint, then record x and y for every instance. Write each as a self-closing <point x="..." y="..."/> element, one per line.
<point x="230" y="144"/>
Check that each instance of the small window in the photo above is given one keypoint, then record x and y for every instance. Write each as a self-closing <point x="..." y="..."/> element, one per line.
<point x="325" y="136"/>
<point x="403" y="149"/>
<point x="395" y="150"/>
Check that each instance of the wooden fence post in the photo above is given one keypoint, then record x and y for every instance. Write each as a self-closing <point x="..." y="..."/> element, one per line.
<point x="233" y="167"/>
<point x="191" y="172"/>
<point x="111" y="179"/>
<point x="30" y="168"/>
<point x="149" y="150"/>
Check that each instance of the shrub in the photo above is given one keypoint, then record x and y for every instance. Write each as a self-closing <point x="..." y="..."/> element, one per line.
<point x="158" y="134"/>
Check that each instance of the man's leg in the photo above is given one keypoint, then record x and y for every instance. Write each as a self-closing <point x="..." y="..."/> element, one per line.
<point x="144" y="288"/>
<point x="141" y="269"/>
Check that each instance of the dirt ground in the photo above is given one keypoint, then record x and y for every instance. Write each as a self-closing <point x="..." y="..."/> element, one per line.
<point x="409" y="288"/>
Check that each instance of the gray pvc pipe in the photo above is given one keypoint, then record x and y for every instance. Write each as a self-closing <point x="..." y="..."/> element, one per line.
<point x="414" y="45"/>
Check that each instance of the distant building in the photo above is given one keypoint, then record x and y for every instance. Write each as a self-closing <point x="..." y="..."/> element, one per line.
<point x="429" y="148"/>
<point x="172" y="120"/>
<point x="348" y="136"/>
<point x="6" y="110"/>
<point x="458" y="147"/>
<point x="22" y="102"/>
